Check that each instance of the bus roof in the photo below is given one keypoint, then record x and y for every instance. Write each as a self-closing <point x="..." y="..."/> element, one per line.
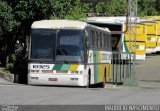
<point x="59" y="24"/>
<point x="113" y="19"/>
<point x="101" y="20"/>
<point x="147" y="20"/>
<point x="63" y="24"/>
<point x="110" y="20"/>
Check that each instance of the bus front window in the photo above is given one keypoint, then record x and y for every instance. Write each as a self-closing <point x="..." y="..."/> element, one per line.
<point x="57" y="45"/>
<point x="69" y="46"/>
<point x="43" y="44"/>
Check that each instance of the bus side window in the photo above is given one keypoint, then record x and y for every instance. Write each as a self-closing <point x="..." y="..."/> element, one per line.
<point x="108" y="38"/>
<point x="90" y="38"/>
<point x="94" y="39"/>
<point x="102" y="40"/>
<point x="101" y="35"/>
<point x="99" y="39"/>
<point x="105" y="41"/>
<point x="108" y="42"/>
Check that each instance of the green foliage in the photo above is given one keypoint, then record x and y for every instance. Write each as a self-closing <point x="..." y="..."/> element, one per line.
<point x="111" y="8"/>
<point x="147" y="8"/>
<point x="13" y="58"/>
<point x="77" y="11"/>
<point x="7" y="21"/>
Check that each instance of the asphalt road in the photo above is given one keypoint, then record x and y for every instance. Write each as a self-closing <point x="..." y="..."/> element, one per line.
<point x="45" y="95"/>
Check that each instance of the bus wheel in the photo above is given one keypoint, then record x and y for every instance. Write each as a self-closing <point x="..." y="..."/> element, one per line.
<point x="88" y="80"/>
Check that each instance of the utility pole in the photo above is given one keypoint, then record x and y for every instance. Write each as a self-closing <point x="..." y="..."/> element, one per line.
<point x="132" y="13"/>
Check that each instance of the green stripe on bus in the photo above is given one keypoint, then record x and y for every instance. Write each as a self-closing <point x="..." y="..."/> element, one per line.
<point x="65" y="67"/>
<point x="125" y="46"/>
<point x="57" y="66"/>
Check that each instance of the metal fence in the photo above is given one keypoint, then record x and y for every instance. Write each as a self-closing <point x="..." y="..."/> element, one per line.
<point x="121" y="67"/>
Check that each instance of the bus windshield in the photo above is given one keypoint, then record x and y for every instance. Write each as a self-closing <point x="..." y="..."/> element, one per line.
<point x="57" y="45"/>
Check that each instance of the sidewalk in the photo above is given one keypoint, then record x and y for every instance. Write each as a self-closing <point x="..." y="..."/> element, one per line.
<point x="2" y="81"/>
<point x="6" y="78"/>
<point x="149" y="84"/>
<point x="148" y="72"/>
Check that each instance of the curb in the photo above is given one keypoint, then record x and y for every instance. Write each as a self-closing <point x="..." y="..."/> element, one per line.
<point x="7" y="76"/>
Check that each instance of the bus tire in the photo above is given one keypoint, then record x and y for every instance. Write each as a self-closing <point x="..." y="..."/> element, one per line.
<point x="88" y="79"/>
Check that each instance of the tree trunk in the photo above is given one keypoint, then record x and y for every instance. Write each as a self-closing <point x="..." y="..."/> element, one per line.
<point x="4" y="59"/>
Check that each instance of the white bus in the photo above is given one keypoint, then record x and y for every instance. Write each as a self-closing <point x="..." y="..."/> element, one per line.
<point x="120" y="38"/>
<point x="71" y="53"/>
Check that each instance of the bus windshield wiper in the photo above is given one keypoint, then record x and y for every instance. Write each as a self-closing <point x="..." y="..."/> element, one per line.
<point x="63" y="53"/>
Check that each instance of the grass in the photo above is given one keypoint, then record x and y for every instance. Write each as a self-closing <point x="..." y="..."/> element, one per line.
<point x="5" y="70"/>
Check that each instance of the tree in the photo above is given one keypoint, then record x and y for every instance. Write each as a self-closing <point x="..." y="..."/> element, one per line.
<point x="77" y="11"/>
<point x="147" y="8"/>
<point x="111" y="7"/>
<point x="158" y="6"/>
<point x="7" y="28"/>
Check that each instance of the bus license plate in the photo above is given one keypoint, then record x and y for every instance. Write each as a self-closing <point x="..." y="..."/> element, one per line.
<point x="52" y="79"/>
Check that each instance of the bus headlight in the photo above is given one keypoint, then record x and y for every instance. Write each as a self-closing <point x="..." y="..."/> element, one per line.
<point x="34" y="71"/>
<point x="76" y="72"/>
<point x="81" y="72"/>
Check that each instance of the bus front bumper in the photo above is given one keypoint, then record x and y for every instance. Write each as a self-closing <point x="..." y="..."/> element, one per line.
<point x="157" y="49"/>
<point x="150" y="50"/>
<point x="50" y="79"/>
